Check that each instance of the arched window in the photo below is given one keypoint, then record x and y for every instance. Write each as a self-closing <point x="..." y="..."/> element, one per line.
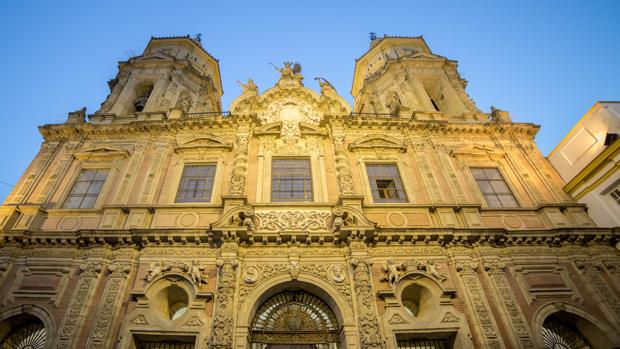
<point x="23" y="332"/>
<point x="295" y="319"/>
<point x="559" y="333"/>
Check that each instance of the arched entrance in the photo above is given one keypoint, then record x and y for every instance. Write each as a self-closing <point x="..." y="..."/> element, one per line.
<point x="559" y="333"/>
<point x="23" y="331"/>
<point x="563" y="326"/>
<point x="294" y="319"/>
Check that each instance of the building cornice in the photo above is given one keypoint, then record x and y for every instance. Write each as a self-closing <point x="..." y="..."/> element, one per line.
<point x="60" y="132"/>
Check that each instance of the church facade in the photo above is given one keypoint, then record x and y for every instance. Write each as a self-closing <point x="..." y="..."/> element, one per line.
<point x="295" y="220"/>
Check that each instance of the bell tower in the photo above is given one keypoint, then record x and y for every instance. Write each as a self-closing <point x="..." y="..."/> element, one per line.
<point x="173" y="76"/>
<point x="401" y="76"/>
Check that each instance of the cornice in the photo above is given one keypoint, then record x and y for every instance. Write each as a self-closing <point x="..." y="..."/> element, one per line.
<point x="60" y="132"/>
<point x="392" y="236"/>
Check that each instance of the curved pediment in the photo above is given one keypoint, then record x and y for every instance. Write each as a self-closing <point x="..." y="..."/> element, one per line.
<point x="101" y="152"/>
<point x="201" y="141"/>
<point x="379" y="141"/>
<point x="290" y="102"/>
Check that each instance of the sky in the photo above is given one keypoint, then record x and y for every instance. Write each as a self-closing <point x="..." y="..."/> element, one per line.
<point x="546" y="62"/>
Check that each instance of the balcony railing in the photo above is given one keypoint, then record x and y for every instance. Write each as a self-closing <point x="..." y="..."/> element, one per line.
<point x="214" y="114"/>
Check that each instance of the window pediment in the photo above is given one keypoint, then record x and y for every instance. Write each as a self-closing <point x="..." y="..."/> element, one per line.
<point x="379" y="141"/>
<point x="102" y="152"/>
<point x="201" y="142"/>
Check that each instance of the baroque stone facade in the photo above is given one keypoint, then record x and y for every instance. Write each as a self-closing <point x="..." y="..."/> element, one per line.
<point x="295" y="220"/>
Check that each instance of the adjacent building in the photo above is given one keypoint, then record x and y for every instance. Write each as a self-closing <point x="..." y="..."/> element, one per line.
<point x="295" y="220"/>
<point x="588" y="159"/>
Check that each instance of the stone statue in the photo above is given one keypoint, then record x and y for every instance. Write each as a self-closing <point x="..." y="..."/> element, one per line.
<point x="248" y="222"/>
<point x="338" y="223"/>
<point x="249" y="87"/>
<point x="155" y="269"/>
<point x="288" y="73"/>
<point x="326" y="87"/>
<point x="392" y="272"/>
<point x="432" y="269"/>
<point x="195" y="272"/>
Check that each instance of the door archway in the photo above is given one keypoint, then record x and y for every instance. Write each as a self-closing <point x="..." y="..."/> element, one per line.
<point x="294" y="319"/>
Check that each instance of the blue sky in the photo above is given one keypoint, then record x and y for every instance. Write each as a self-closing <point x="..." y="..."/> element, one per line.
<point x="545" y="62"/>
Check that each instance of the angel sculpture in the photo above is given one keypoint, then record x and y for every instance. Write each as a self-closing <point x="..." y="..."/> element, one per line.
<point x="154" y="271"/>
<point x="326" y="87"/>
<point x="392" y="271"/>
<point x="249" y="87"/>
<point x="195" y="272"/>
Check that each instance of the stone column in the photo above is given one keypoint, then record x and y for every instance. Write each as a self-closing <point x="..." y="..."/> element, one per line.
<point x="223" y="315"/>
<point x="610" y="305"/>
<point x="520" y="329"/>
<point x="343" y="168"/>
<point x="76" y="311"/>
<point x="368" y="319"/>
<point x="240" y="162"/>
<point x="110" y="303"/>
<point x="479" y="305"/>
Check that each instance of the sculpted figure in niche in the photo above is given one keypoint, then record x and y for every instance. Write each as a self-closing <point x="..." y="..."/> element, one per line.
<point x="248" y="88"/>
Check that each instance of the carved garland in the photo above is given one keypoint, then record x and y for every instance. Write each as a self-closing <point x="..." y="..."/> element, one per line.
<point x="293" y="220"/>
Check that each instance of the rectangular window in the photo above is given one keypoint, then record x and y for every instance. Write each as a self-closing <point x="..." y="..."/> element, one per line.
<point x="86" y="189"/>
<point x="291" y="180"/>
<point x="196" y="183"/>
<point x="385" y="183"/>
<point x="615" y="194"/>
<point x="494" y="188"/>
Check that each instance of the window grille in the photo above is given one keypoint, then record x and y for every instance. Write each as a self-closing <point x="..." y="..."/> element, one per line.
<point x="385" y="183"/>
<point x="291" y="180"/>
<point x="423" y="344"/>
<point x="494" y="188"/>
<point x="196" y="183"/>
<point x="615" y="194"/>
<point x="86" y="189"/>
